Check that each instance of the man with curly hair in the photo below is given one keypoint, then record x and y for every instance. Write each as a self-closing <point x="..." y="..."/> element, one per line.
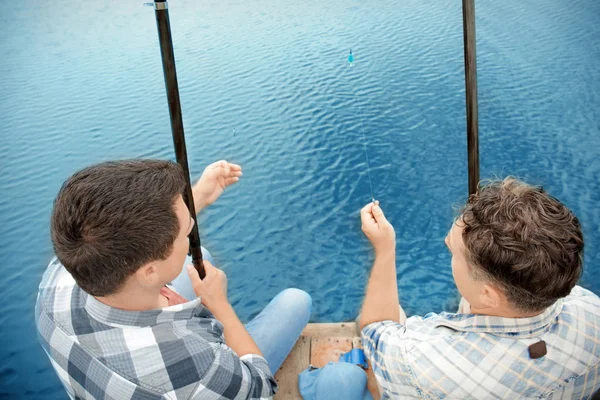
<point x="524" y="328"/>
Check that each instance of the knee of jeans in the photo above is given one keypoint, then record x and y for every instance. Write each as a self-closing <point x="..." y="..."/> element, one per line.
<point x="207" y="256"/>
<point x="347" y="380"/>
<point x="299" y="300"/>
<point x="348" y="370"/>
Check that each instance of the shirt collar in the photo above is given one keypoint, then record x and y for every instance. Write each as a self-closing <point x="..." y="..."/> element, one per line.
<point x="117" y="317"/>
<point x="507" y="327"/>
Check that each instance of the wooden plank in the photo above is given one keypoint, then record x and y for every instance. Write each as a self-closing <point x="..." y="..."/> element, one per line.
<point x="318" y="345"/>
<point x="328" y="349"/>
<point x="287" y="376"/>
<point x="345" y="329"/>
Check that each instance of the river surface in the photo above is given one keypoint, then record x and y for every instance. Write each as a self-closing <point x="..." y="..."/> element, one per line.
<point x="267" y="85"/>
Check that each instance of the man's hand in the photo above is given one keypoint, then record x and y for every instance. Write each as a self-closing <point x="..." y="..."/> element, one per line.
<point x="377" y="228"/>
<point x="212" y="289"/>
<point x="215" y="178"/>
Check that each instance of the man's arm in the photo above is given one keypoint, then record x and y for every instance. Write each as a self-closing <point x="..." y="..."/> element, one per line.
<point x="233" y="377"/>
<point x="236" y="335"/>
<point x="381" y="300"/>
<point x="241" y="370"/>
<point x="215" y="178"/>
<point x="213" y="293"/>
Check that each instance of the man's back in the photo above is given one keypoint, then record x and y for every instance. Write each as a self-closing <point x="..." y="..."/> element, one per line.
<point x="176" y="352"/>
<point x="480" y="357"/>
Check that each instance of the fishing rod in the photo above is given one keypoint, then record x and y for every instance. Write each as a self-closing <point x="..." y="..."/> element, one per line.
<point x="468" y="9"/>
<point x="168" y="61"/>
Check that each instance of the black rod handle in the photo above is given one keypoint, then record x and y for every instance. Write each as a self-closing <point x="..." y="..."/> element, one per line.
<point x="468" y="8"/>
<point x="168" y="62"/>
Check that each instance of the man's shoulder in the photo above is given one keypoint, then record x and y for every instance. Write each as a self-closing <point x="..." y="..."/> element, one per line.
<point x="581" y="311"/>
<point x="58" y="295"/>
<point x="583" y="298"/>
<point x="579" y="324"/>
<point x="55" y="276"/>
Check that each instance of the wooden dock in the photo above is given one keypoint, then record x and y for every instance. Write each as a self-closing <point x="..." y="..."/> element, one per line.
<point x="318" y="345"/>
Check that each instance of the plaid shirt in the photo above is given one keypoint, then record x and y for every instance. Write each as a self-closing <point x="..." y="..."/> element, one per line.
<point x="467" y="356"/>
<point x="176" y="352"/>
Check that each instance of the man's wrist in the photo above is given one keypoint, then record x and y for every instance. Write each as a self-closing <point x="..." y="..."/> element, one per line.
<point x="385" y="252"/>
<point x="199" y="203"/>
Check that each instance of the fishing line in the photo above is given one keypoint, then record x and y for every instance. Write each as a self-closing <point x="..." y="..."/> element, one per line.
<point x="362" y="128"/>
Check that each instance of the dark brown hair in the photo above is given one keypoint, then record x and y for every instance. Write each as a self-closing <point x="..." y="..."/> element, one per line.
<point x="111" y="218"/>
<point x="523" y="240"/>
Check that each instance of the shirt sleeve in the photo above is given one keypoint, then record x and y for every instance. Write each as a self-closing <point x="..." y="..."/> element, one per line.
<point x="384" y="347"/>
<point x="240" y="378"/>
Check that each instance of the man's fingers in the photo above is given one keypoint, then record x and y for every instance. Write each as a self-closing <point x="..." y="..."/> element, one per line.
<point x="366" y="216"/>
<point x="226" y="169"/>
<point x="378" y="214"/>
<point x="231" y="181"/>
<point x="193" y="274"/>
<point x="215" y="165"/>
<point x="211" y="270"/>
<point x="218" y="165"/>
<point x="221" y="167"/>
<point x="235" y="167"/>
<point x="366" y="209"/>
<point x="367" y="219"/>
<point x="233" y="170"/>
<point x="208" y="269"/>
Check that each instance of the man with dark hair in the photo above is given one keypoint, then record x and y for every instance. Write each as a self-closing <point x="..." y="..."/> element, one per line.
<point x="523" y="330"/>
<point x="108" y="317"/>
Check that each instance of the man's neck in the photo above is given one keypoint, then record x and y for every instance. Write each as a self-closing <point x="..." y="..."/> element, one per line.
<point x="135" y="299"/>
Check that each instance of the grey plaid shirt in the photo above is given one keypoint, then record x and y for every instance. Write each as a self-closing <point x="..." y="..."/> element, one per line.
<point x="177" y="352"/>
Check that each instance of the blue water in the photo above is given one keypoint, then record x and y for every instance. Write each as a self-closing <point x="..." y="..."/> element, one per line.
<point x="267" y="84"/>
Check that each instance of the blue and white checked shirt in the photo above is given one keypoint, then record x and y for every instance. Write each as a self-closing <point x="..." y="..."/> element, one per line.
<point x="177" y="352"/>
<point x="467" y="356"/>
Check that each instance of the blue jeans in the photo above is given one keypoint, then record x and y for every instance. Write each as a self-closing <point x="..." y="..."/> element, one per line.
<point x="338" y="380"/>
<point x="276" y="328"/>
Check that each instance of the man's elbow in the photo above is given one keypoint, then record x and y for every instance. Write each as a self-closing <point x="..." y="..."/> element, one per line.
<point x="264" y="388"/>
<point x="365" y="320"/>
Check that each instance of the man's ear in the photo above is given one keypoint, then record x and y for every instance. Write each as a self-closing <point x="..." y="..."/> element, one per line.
<point x="491" y="297"/>
<point x="147" y="275"/>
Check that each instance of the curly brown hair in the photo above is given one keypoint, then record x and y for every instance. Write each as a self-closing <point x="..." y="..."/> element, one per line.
<point x="523" y="240"/>
<point x="111" y="218"/>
